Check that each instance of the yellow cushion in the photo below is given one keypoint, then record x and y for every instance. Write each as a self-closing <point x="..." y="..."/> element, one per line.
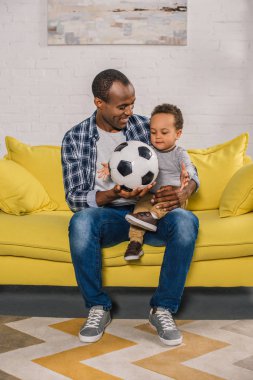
<point x="216" y="165"/>
<point x="222" y="273"/>
<point x="247" y="160"/>
<point x="237" y="197"/>
<point x="44" y="163"/>
<point x="44" y="236"/>
<point x="20" y="192"/>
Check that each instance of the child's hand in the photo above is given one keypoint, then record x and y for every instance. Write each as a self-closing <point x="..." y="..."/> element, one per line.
<point x="184" y="177"/>
<point x="104" y="172"/>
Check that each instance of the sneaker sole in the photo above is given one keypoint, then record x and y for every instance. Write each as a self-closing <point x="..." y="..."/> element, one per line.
<point x="138" y="223"/>
<point x="92" y="339"/>
<point x="171" y="342"/>
<point x="135" y="257"/>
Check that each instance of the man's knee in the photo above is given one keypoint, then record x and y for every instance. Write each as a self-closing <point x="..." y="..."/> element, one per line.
<point x="183" y="224"/>
<point x="83" y="221"/>
<point x="83" y="230"/>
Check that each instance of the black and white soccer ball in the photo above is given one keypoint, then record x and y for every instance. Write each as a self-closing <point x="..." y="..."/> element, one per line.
<point x="133" y="164"/>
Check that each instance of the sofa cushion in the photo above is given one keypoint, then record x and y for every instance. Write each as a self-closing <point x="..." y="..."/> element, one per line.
<point x="44" y="163"/>
<point x="45" y="236"/>
<point x="247" y="160"/>
<point x="20" y="192"/>
<point x="223" y="238"/>
<point x="237" y="197"/>
<point x="216" y="165"/>
<point x="40" y="236"/>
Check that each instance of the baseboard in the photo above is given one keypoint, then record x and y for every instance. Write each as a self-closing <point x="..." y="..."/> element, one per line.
<point x="57" y="301"/>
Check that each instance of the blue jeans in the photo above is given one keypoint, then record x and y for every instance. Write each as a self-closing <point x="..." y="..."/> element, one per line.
<point x="93" y="228"/>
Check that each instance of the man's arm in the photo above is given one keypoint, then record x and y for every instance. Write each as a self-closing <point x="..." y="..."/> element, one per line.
<point x="75" y="181"/>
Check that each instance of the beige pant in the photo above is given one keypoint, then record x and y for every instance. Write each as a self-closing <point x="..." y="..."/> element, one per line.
<point x="144" y="205"/>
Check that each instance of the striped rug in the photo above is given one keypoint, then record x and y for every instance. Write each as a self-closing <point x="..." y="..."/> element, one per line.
<point x="35" y="348"/>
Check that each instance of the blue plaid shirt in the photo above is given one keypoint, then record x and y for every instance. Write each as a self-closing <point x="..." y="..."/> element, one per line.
<point x="79" y="156"/>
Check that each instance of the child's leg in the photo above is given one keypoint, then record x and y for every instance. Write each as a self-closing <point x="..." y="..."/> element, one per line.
<point x="134" y="250"/>
<point x="141" y="216"/>
<point x="136" y="234"/>
<point x="143" y="205"/>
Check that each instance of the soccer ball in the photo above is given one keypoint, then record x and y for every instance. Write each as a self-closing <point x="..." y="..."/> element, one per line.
<point x="133" y="164"/>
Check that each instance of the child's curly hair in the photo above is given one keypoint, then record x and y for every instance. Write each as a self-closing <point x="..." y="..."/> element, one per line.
<point x="170" y="109"/>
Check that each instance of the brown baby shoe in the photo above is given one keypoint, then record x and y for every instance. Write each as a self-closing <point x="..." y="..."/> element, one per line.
<point x="144" y="220"/>
<point x="134" y="251"/>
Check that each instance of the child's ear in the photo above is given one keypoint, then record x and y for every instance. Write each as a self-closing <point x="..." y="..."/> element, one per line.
<point x="179" y="133"/>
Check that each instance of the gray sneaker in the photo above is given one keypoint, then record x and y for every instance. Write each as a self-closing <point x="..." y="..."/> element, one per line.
<point x="93" y="328"/>
<point x="161" y="319"/>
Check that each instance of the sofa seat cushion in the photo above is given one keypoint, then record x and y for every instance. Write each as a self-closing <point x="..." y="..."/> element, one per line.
<point x="45" y="236"/>
<point x="223" y="238"/>
<point x="41" y="235"/>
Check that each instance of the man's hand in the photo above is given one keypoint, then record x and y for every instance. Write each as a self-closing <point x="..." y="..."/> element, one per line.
<point x="173" y="197"/>
<point x="107" y="196"/>
<point x="139" y="192"/>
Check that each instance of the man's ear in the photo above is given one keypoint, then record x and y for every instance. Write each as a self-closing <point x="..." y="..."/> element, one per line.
<point x="179" y="133"/>
<point x="98" y="103"/>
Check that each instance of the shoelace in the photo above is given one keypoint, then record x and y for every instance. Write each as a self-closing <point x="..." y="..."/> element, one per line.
<point x="166" y="320"/>
<point x="94" y="318"/>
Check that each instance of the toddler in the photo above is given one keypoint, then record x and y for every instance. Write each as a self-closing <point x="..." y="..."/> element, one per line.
<point x="166" y="126"/>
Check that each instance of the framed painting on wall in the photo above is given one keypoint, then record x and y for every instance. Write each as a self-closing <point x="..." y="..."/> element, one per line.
<point x="146" y="22"/>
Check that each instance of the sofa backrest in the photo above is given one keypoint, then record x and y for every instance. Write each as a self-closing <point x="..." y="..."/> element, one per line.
<point x="215" y="165"/>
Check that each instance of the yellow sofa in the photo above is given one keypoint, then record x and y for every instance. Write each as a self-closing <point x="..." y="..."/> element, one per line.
<point x="34" y="218"/>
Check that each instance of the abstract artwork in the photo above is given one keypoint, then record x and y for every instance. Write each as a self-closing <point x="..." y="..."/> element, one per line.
<point x="146" y="22"/>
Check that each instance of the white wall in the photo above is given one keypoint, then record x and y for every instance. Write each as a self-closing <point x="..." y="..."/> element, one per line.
<point x="45" y="90"/>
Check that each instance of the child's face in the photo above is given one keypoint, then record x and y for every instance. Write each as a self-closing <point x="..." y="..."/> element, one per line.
<point x="163" y="133"/>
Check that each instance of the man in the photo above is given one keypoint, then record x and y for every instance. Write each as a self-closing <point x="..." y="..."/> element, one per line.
<point x="100" y="208"/>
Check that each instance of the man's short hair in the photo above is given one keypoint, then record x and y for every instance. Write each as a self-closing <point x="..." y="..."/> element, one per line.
<point x="103" y="81"/>
<point x="170" y="109"/>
